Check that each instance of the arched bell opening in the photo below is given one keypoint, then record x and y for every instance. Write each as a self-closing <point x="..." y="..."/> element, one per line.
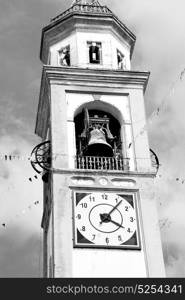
<point x="97" y="133"/>
<point x="98" y="140"/>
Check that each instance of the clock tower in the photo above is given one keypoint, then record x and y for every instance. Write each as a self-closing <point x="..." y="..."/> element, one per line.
<point x="99" y="214"/>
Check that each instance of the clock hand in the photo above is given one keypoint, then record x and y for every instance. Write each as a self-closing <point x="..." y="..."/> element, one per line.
<point x="114" y="208"/>
<point x="116" y="223"/>
<point x="106" y="216"/>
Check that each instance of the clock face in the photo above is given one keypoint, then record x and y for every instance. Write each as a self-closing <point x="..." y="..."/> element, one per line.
<point x="106" y="220"/>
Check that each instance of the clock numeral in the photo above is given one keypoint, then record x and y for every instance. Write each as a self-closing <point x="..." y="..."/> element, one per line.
<point x="84" y="205"/>
<point x="129" y="230"/>
<point x="105" y="197"/>
<point x="126" y="208"/>
<point x="78" y="216"/>
<point x="120" y="238"/>
<point x="107" y="240"/>
<point x="83" y="228"/>
<point x="91" y="198"/>
<point x="116" y="200"/>
<point x="132" y="219"/>
<point x="94" y="235"/>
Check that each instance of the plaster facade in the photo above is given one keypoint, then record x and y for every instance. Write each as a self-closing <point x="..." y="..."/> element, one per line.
<point x="65" y="91"/>
<point x="78" y="42"/>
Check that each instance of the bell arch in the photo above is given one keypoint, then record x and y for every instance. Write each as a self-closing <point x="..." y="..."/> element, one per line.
<point x="103" y="106"/>
<point x="100" y="137"/>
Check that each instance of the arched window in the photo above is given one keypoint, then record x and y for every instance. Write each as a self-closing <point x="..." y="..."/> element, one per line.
<point x="94" y="52"/>
<point x="121" y="61"/>
<point x="98" y="141"/>
<point x="64" y="56"/>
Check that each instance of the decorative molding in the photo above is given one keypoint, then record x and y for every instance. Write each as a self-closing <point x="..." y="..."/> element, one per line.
<point x="122" y="174"/>
<point x="84" y="8"/>
<point x="86" y="2"/>
<point x="96" y="77"/>
<point x="77" y="180"/>
<point x="97" y="97"/>
<point x="123" y="182"/>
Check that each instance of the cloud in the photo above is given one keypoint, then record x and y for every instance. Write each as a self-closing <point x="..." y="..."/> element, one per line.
<point x="4" y="173"/>
<point x="174" y="260"/>
<point x="17" y="192"/>
<point x="20" y="256"/>
<point x="19" y="85"/>
<point x="15" y="14"/>
<point x="20" y="216"/>
<point x="160" y="48"/>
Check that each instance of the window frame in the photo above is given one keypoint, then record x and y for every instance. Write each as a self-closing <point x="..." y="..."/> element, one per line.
<point x="99" y="44"/>
<point x="123" y="67"/>
<point x="67" y="48"/>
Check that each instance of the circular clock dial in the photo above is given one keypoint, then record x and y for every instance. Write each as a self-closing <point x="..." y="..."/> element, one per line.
<point x="105" y="219"/>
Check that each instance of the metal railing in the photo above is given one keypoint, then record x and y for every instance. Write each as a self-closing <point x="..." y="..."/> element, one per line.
<point x="102" y="163"/>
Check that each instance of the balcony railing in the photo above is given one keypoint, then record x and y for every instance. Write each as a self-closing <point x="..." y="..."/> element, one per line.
<point x="102" y="163"/>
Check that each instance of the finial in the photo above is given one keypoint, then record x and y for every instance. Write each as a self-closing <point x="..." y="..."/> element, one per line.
<point x="75" y="2"/>
<point x="86" y="2"/>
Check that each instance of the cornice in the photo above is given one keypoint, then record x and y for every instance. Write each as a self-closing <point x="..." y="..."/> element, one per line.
<point x="121" y="174"/>
<point x="89" y="77"/>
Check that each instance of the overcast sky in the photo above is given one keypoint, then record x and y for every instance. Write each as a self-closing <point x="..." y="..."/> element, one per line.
<point x="159" y="26"/>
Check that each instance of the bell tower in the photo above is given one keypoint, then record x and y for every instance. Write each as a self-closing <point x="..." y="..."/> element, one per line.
<point x="99" y="214"/>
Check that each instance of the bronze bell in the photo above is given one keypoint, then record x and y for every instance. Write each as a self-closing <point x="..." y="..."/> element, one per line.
<point x="97" y="145"/>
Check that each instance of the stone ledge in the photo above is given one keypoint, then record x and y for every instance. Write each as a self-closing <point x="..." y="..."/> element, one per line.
<point x="106" y="76"/>
<point x="104" y="172"/>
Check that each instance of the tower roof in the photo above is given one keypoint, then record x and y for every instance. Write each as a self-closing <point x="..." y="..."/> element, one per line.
<point x="90" y="11"/>
<point x="84" y="7"/>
